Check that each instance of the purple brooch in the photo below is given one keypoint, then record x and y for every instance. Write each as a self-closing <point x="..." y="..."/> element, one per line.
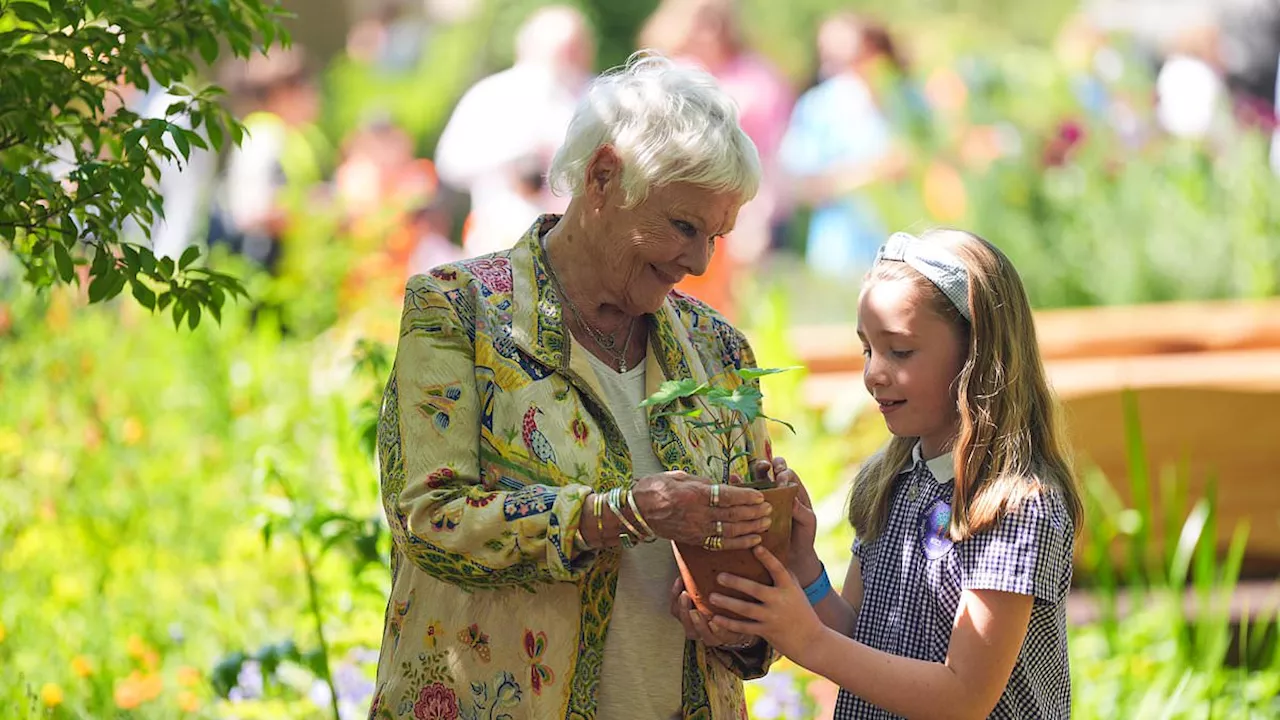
<point x="935" y="526"/>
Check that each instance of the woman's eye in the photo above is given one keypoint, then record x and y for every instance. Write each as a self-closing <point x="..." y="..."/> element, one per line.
<point x="866" y="352"/>
<point x="685" y="228"/>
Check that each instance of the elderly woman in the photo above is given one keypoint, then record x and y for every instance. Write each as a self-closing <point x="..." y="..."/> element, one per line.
<point x="520" y="476"/>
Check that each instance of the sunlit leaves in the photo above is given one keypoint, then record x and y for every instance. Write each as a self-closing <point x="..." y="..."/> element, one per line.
<point x="78" y="164"/>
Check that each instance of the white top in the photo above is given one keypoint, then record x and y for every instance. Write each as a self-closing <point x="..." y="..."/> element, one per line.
<point x="504" y="126"/>
<point x="641" y="675"/>
<point x="942" y="468"/>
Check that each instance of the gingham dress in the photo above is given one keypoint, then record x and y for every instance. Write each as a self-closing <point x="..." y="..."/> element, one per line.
<point x="913" y="576"/>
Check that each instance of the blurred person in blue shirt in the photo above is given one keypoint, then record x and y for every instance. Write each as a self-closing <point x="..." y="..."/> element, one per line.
<point x="842" y="138"/>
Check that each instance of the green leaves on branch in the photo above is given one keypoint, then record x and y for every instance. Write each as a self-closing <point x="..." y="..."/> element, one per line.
<point x="78" y="165"/>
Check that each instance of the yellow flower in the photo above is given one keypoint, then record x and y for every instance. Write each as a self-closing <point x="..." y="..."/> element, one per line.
<point x="188" y="676"/>
<point x="188" y="701"/>
<point x="136" y="647"/>
<point x="131" y="432"/>
<point x="1" y="632"/>
<point x="81" y="666"/>
<point x="51" y="695"/>
<point x="434" y="632"/>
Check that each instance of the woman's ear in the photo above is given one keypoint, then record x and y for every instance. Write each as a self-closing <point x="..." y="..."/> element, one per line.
<point x="604" y="171"/>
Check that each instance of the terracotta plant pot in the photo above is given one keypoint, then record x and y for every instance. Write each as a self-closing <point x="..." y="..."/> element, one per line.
<point x="700" y="567"/>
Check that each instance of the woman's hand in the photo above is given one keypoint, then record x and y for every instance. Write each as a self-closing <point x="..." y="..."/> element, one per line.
<point x="781" y="614"/>
<point x="678" y="506"/>
<point x="697" y="626"/>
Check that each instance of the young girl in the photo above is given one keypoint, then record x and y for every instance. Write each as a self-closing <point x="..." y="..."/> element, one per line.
<point x="955" y="602"/>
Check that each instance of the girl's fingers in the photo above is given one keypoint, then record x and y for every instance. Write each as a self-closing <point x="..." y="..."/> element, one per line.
<point x="743" y="585"/>
<point x="781" y="577"/>
<point x="742" y="607"/>
<point x="742" y="627"/>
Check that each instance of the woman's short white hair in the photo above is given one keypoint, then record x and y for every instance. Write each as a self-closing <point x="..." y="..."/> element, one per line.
<point x="668" y="122"/>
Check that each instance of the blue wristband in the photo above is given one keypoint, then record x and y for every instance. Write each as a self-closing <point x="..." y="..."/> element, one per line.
<point x="818" y="589"/>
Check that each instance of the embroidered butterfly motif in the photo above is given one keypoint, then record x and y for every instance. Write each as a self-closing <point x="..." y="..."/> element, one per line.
<point x="476" y="640"/>
<point x="400" y="608"/>
<point x="439" y="404"/>
<point x="539" y="674"/>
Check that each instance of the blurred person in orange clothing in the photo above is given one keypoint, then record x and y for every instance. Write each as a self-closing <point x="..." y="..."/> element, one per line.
<point x="709" y="34"/>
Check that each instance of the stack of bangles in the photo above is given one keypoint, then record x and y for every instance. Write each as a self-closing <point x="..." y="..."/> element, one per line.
<point x="629" y="534"/>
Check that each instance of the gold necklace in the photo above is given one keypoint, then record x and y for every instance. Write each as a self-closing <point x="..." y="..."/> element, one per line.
<point x="603" y="340"/>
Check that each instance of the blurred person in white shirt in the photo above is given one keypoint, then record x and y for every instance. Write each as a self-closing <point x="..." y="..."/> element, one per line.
<point x="500" y="139"/>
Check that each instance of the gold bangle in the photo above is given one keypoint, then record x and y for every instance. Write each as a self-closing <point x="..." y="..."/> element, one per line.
<point x="615" y="505"/>
<point x="598" y="504"/>
<point x="635" y="510"/>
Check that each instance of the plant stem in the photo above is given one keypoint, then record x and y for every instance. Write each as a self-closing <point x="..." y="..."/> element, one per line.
<point x="313" y="593"/>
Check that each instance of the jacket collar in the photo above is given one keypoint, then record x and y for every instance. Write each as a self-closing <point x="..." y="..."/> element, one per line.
<point x="538" y="327"/>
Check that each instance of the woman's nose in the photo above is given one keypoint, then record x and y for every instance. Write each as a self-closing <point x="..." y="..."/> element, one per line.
<point x="697" y="257"/>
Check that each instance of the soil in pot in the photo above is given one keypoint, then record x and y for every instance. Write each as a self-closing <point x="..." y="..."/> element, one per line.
<point x="700" y="567"/>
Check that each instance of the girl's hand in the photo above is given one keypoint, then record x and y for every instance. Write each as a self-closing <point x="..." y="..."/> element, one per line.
<point x="697" y="626"/>
<point x="781" y="614"/>
<point x="802" y="560"/>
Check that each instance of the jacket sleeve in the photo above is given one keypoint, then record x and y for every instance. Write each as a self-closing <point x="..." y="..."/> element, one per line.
<point x="442" y="518"/>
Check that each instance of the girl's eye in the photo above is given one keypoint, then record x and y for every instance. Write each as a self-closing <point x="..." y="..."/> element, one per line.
<point x="685" y="228"/>
<point x="903" y="354"/>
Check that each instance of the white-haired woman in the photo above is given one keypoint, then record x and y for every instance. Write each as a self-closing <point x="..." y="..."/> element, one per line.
<point x="520" y="477"/>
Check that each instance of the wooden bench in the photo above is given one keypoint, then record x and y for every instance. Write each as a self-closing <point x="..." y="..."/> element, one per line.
<point x="1205" y="376"/>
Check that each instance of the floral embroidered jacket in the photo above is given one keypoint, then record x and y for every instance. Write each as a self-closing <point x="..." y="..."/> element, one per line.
<point x="492" y="434"/>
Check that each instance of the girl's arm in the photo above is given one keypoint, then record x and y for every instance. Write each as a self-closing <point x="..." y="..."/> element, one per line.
<point x="986" y="637"/>
<point x="837" y="611"/>
<point x="985" y="640"/>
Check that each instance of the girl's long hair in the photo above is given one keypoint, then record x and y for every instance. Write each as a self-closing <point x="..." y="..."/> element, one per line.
<point x="1011" y="444"/>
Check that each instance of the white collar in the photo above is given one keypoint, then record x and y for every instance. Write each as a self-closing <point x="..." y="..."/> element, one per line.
<point x="942" y="468"/>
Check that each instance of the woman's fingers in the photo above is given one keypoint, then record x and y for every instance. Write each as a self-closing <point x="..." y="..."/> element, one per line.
<point x="741" y="513"/>
<point x="732" y="496"/>
<point x="761" y="471"/>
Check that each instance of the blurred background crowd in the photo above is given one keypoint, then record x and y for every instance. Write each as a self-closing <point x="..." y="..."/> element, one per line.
<point x="425" y="136"/>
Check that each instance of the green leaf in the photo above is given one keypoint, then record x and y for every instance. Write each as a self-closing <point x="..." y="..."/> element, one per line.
<point x="744" y="399"/>
<point x="784" y="423"/>
<point x="184" y="145"/>
<point x="163" y="300"/>
<point x="190" y="255"/>
<point x="31" y="12"/>
<point x="216" y="136"/>
<point x="753" y="373"/>
<point x="675" y="389"/>
<point x="98" y="287"/>
<point x="66" y="268"/>
<point x="143" y="294"/>
<point x="193" y="316"/>
<point x="165" y="267"/>
<point x="21" y="187"/>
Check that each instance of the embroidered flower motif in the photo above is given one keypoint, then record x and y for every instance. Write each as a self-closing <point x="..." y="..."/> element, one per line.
<point x="439" y="404"/>
<point x="440" y="478"/>
<point x="539" y="674"/>
<point x="480" y="500"/>
<point x="476" y="640"/>
<point x="445" y="273"/>
<point x="435" y="631"/>
<point x="436" y="702"/>
<point x="401" y="608"/>
<point x="580" y="430"/>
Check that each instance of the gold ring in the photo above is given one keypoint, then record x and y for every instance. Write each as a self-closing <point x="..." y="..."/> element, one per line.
<point x="713" y="542"/>
<point x="715" y="495"/>
<point x="719" y="528"/>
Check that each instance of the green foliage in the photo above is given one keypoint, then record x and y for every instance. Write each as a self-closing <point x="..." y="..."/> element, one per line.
<point x="731" y="409"/>
<point x="75" y="166"/>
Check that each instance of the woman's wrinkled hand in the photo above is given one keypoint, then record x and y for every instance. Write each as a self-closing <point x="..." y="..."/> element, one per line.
<point x="678" y="507"/>
<point x="697" y="626"/>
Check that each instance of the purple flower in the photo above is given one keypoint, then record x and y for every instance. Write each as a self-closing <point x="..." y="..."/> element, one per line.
<point x="249" y="683"/>
<point x="780" y="697"/>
